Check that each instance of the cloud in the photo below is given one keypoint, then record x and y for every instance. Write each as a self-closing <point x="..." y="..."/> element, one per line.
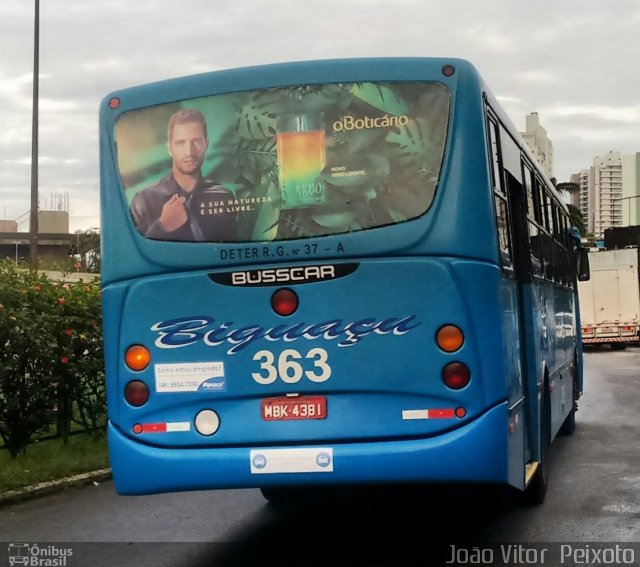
<point x="537" y="77"/>
<point x="625" y="113"/>
<point x="561" y="58"/>
<point x="42" y="160"/>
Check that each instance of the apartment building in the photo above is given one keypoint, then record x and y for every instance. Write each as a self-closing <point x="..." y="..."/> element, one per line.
<point x="539" y="143"/>
<point x="631" y="190"/>
<point x="610" y="192"/>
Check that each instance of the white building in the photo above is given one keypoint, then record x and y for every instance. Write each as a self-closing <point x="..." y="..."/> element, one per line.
<point x="631" y="190"/>
<point x="586" y="206"/>
<point x="608" y="191"/>
<point x="539" y="143"/>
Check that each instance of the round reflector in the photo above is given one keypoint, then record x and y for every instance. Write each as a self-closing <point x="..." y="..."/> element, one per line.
<point x="136" y="393"/>
<point x="456" y="375"/>
<point x="114" y="103"/>
<point x="284" y="302"/>
<point x="207" y="422"/>
<point x="137" y="357"/>
<point x="461" y="412"/>
<point x="449" y="338"/>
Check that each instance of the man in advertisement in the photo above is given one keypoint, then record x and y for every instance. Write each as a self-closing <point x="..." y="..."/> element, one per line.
<point x="184" y="205"/>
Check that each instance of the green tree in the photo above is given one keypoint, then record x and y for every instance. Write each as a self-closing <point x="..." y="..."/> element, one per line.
<point x="51" y="361"/>
<point x="87" y="246"/>
<point x="569" y="187"/>
<point x="575" y="217"/>
<point x="27" y="390"/>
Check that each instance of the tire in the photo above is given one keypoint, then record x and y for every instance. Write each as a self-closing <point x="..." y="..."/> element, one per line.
<point x="618" y="346"/>
<point x="535" y="493"/>
<point x="569" y="424"/>
<point x="278" y="496"/>
<point x="287" y="497"/>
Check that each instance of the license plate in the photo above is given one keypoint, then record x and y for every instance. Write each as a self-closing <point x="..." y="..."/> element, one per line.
<point x="608" y="330"/>
<point x="308" y="407"/>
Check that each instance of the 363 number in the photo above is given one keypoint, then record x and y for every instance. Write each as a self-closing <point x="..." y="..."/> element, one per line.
<point x="288" y="369"/>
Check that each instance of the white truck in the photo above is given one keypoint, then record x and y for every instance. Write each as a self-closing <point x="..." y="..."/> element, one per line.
<point x="610" y="300"/>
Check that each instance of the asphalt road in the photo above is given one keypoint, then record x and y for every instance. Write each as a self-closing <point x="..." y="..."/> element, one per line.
<point x="594" y="496"/>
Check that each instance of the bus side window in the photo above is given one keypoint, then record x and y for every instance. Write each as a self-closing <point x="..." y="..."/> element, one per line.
<point x="532" y="215"/>
<point x="536" y="256"/>
<point x="502" y="210"/>
<point x="544" y="201"/>
<point x="496" y="169"/>
<point x="503" y="231"/>
<point x="556" y="268"/>
<point x="545" y="231"/>
<point x="566" y="278"/>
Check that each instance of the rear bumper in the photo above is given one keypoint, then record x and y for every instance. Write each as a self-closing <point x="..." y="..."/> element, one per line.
<point x="605" y="340"/>
<point x="474" y="453"/>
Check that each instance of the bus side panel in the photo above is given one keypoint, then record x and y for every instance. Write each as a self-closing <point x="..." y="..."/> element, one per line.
<point x="113" y="298"/>
<point x="562" y="340"/>
<point x="551" y="332"/>
<point x="513" y="356"/>
<point x="532" y="298"/>
<point x="503" y="326"/>
<point x="479" y="293"/>
<point x="517" y="446"/>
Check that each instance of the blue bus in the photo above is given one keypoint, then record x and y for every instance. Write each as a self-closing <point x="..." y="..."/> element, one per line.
<point x="332" y="273"/>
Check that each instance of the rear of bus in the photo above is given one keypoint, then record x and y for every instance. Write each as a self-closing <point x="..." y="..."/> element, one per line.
<point x="346" y="326"/>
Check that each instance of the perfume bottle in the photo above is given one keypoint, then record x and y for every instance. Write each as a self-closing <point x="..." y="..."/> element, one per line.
<point x="301" y="158"/>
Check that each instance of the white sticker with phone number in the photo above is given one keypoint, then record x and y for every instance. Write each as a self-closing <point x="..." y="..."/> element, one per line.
<point x="190" y="377"/>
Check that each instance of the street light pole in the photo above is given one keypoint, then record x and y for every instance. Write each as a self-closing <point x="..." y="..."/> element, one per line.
<point x="33" y="224"/>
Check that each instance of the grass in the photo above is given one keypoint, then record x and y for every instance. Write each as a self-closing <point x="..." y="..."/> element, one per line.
<point x="51" y="460"/>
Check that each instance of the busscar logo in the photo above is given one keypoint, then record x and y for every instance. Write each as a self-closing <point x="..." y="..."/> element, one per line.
<point x="284" y="275"/>
<point x="289" y="275"/>
<point x="34" y="555"/>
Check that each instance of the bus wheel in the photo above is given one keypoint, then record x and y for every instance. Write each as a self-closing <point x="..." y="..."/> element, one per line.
<point x="537" y="489"/>
<point x="287" y="497"/>
<point x="294" y="497"/>
<point x="277" y="495"/>
<point x="618" y="346"/>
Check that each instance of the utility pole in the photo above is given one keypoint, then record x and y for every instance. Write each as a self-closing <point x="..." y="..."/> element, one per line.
<point x="33" y="225"/>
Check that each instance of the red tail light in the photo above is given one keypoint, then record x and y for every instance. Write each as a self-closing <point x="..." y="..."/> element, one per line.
<point x="456" y="375"/>
<point x="284" y="302"/>
<point x="136" y="393"/>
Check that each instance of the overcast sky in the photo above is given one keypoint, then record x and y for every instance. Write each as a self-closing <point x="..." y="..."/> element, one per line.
<point x="576" y="62"/>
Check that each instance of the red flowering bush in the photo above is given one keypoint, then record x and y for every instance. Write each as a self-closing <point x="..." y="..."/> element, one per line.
<point x="51" y="358"/>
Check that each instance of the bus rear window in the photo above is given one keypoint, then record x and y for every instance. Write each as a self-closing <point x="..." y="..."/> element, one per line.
<point x="285" y="163"/>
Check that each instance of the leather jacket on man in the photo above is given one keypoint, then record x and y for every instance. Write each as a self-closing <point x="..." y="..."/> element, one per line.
<point x="146" y="208"/>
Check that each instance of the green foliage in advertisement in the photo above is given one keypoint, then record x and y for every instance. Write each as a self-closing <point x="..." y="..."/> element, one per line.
<point x="384" y="98"/>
